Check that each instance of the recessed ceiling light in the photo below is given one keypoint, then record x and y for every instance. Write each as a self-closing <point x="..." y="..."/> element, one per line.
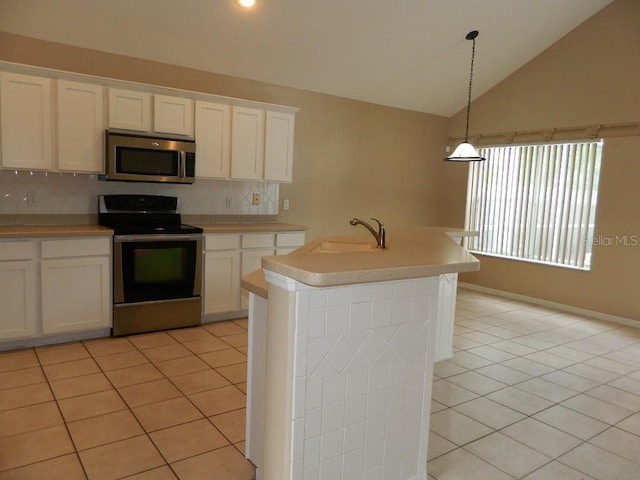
<point x="247" y="3"/>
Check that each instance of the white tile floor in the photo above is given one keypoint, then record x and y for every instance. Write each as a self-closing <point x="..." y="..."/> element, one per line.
<point x="536" y="394"/>
<point x="531" y="394"/>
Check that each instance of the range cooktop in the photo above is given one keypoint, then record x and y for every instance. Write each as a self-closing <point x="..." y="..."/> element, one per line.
<point x="142" y="215"/>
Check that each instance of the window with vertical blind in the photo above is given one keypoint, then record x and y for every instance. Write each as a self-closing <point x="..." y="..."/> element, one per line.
<point x="535" y="202"/>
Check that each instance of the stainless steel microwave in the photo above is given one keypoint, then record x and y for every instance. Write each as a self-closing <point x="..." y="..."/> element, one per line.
<point x="139" y="158"/>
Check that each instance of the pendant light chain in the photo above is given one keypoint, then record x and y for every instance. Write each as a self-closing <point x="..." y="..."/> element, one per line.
<point x="465" y="152"/>
<point x="473" y="55"/>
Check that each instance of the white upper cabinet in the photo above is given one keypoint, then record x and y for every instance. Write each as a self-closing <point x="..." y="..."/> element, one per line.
<point x="81" y="125"/>
<point x="129" y="110"/>
<point x="25" y="119"/>
<point x="278" y="156"/>
<point x="247" y="143"/>
<point x="145" y="112"/>
<point x="56" y="122"/>
<point x="261" y="145"/>
<point x="173" y="115"/>
<point x="213" y="140"/>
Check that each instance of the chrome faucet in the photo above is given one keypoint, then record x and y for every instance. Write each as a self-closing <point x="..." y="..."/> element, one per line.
<point x="379" y="235"/>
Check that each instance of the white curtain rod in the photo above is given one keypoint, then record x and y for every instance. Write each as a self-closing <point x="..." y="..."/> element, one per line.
<point x="550" y="134"/>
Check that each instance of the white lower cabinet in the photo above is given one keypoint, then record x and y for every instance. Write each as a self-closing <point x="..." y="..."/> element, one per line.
<point x="222" y="281"/>
<point x="75" y="277"/>
<point x="221" y="292"/>
<point x="18" y="290"/>
<point x="73" y="294"/>
<point x="254" y="247"/>
<point x="230" y="256"/>
<point x="287" y="242"/>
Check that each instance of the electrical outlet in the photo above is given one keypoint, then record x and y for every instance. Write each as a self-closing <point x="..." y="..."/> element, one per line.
<point x="285" y="204"/>
<point x="227" y="202"/>
<point x="256" y="199"/>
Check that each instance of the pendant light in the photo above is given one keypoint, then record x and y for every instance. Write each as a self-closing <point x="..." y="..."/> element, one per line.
<point x="465" y="152"/>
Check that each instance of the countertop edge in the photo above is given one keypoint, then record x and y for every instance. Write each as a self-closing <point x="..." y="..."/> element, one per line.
<point x="255" y="283"/>
<point x="250" y="227"/>
<point x="41" y="231"/>
<point x="46" y="230"/>
<point x="414" y="253"/>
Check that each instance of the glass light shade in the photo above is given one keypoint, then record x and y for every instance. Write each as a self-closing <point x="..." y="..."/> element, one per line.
<point x="465" y="152"/>
<point x="247" y="3"/>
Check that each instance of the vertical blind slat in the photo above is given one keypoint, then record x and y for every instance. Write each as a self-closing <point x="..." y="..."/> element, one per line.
<point x="535" y="202"/>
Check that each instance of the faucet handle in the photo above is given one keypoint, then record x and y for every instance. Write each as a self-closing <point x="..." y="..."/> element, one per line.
<point x="380" y="224"/>
<point x="381" y="238"/>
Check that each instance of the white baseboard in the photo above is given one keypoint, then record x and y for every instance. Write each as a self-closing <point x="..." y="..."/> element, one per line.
<point x="52" y="339"/>
<point x="557" y="306"/>
<point x="217" y="317"/>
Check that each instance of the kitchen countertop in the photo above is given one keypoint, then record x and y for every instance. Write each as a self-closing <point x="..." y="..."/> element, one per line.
<point x="256" y="283"/>
<point x="455" y="232"/>
<point x="46" y="230"/>
<point x="250" y="227"/>
<point x="413" y="252"/>
<point x="24" y="231"/>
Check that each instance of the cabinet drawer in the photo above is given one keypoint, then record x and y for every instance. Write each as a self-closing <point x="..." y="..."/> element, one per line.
<point x="222" y="242"/>
<point x="257" y="240"/>
<point x="76" y="248"/>
<point x="290" y="239"/>
<point x="16" y="250"/>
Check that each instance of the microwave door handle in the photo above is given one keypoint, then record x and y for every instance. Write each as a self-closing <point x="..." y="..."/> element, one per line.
<point x="183" y="164"/>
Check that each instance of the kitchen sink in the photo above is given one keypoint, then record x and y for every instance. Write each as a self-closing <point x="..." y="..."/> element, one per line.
<point x="343" y="247"/>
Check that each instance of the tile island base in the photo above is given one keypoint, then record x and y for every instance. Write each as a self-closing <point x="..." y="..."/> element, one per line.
<point x="341" y="388"/>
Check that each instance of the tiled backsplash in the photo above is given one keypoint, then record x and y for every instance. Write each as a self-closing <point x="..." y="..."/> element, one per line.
<point x="67" y="193"/>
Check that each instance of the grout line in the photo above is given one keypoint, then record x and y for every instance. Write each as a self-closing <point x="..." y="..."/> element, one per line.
<point x="101" y="370"/>
<point x="478" y="328"/>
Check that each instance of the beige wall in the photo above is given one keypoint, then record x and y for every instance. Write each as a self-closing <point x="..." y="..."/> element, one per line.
<point x="591" y="76"/>
<point x="358" y="159"/>
<point x="351" y="158"/>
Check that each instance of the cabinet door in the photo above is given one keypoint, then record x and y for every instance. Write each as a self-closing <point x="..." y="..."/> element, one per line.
<point x="213" y="140"/>
<point x="252" y="261"/>
<point x="287" y="242"/>
<point x="25" y="118"/>
<point x="278" y="154"/>
<point x="247" y="143"/>
<point x="81" y="125"/>
<point x="76" y="294"/>
<point x="221" y="281"/>
<point x="18" y="297"/>
<point x="173" y="115"/>
<point x="129" y="110"/>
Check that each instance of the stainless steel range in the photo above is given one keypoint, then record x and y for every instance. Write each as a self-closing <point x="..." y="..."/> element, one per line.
<point x="157" y="263"/>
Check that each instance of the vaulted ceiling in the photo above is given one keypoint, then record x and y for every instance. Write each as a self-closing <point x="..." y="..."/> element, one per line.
<point x="409" y="54"/>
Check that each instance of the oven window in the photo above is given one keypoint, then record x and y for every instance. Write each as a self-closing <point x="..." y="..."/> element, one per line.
<point x="143" y="161"/>
<point x="159" y="265"/>
<point x="158" y="270"/>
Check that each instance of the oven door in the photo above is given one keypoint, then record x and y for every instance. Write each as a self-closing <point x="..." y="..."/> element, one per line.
<point x="156" y="267"/>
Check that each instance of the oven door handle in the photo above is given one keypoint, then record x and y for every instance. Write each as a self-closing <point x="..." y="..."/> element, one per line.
<point x="156" y="237"/>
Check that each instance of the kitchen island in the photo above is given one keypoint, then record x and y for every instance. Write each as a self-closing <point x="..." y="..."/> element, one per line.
<point x="341" y="388"/>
